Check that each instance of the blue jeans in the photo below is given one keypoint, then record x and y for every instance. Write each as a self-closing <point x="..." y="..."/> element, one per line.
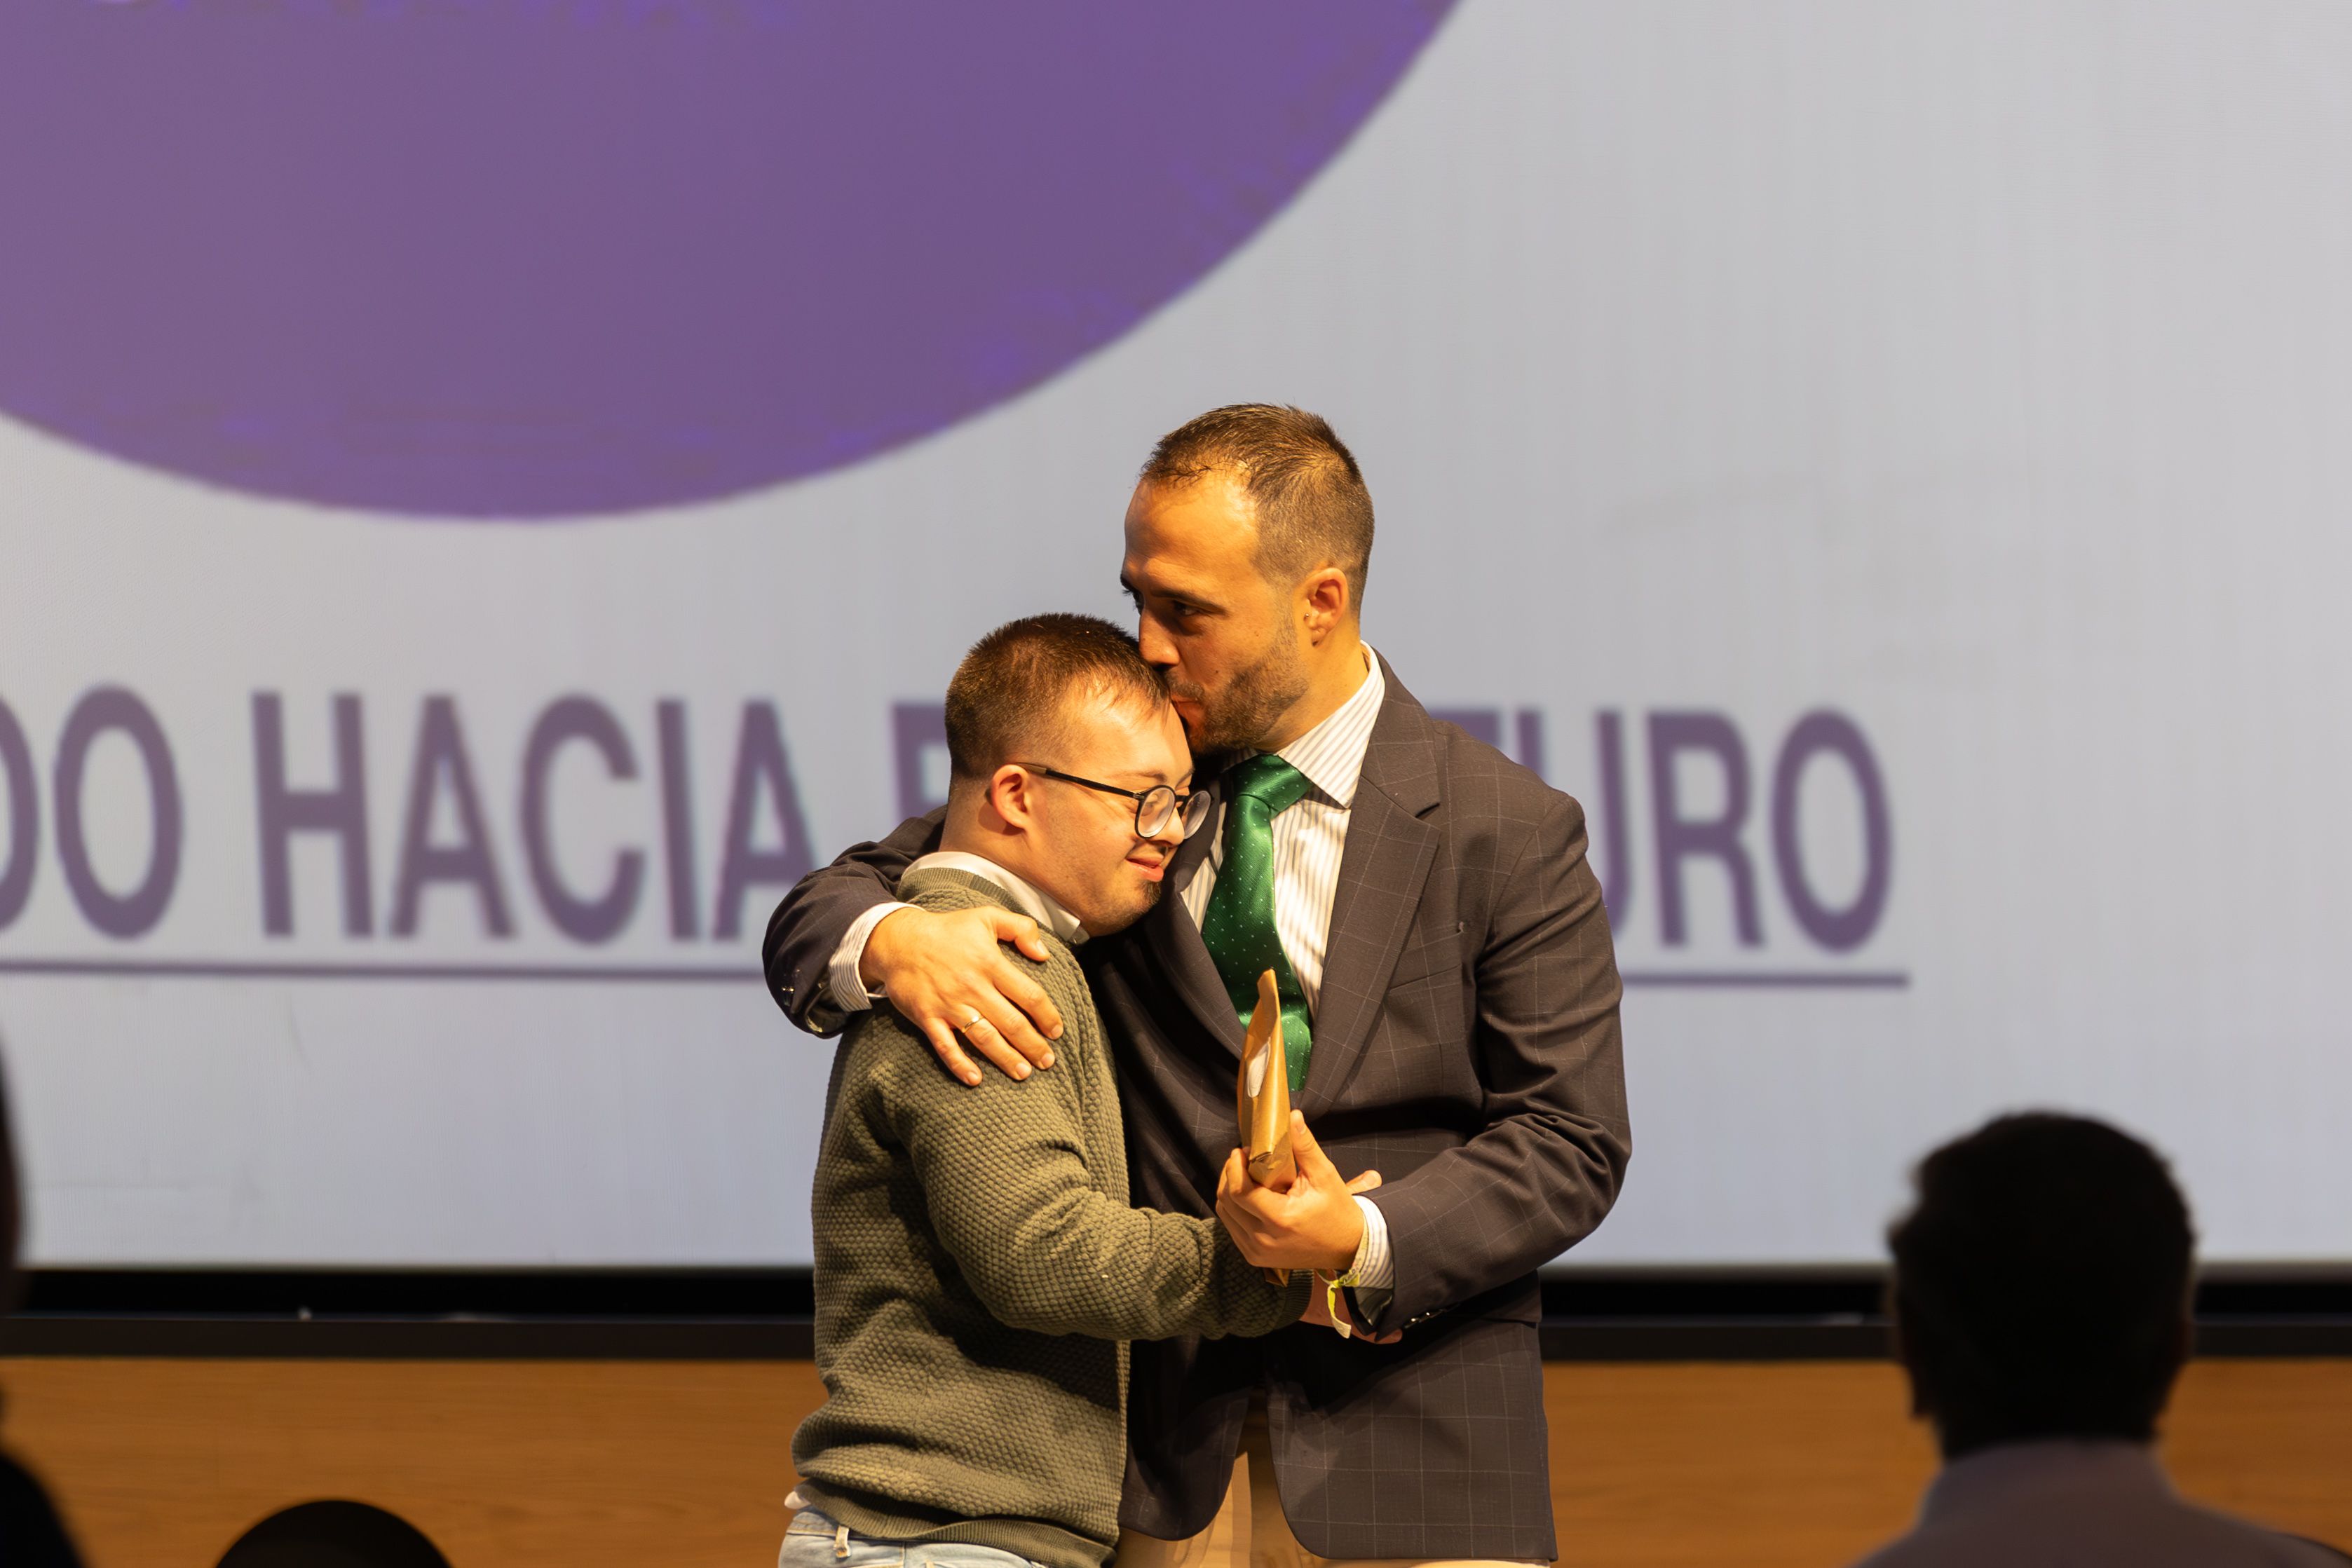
<point x="812" y="1540"/>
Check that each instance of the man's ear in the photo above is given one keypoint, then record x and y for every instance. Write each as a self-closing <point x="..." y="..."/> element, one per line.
<point x="2184" y="1337"/>
<point x="1009" y="797"/>
<point x="1324" y="600"/>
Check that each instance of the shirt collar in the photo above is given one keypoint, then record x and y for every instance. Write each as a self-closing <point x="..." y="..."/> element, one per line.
<point x="1331" y="754"/>
<point x="1998" y="1476"/>
<point x="1030" y="899"/>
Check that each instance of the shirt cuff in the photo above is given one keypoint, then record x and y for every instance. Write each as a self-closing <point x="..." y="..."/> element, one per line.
<point x="1374" y="1268"/>
<point x="848" y="992"/>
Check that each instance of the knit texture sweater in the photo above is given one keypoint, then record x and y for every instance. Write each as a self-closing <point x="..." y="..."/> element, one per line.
<point x="978" y="1274"/>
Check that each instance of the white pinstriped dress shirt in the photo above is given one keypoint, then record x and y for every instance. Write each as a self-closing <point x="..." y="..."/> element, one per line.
<point x="1309" y="839"/>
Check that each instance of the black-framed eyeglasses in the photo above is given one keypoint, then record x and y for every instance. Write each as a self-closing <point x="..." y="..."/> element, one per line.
<point x="1154" y="807"/>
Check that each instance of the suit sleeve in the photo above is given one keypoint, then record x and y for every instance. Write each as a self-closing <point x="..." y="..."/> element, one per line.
<point x="1005" y="1177"/>
<point x="810" y="923"/>
<point x="1543" y="1172"/>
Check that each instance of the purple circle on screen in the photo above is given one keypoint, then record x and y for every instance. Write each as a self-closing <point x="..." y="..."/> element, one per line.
<point x="536" y="258"/>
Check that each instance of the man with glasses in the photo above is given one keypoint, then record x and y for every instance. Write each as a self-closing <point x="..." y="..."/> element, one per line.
<point x="978" y="1267"/>
<point x="1450" y="999"/>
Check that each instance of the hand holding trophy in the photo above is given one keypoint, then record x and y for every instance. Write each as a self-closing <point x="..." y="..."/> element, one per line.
<point x="1279" y="1154"/>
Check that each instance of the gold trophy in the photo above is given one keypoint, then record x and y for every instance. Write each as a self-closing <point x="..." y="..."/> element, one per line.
<point x="1262" y="1099"/>
<point x="1261" y="1095"/>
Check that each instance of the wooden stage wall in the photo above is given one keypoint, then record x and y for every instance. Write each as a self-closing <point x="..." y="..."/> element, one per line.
<point x="160" y="1464"/>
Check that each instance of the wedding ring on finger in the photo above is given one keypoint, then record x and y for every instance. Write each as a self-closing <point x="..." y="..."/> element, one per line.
<point x="972" y="1023"/>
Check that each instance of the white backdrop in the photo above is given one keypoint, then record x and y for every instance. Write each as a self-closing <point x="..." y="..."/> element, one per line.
<point x="1981" y="374"/>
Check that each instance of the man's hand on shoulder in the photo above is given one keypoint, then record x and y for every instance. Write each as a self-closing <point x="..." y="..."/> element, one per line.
<point x="947" y="973"/>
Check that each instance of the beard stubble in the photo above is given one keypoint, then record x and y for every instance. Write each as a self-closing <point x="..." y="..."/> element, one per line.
<point x="1231" y="725"/>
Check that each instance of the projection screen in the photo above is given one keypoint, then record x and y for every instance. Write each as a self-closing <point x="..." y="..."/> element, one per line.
<point x="492" y="491"/>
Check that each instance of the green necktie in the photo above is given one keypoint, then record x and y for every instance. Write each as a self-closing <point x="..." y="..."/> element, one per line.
<point x="1238" y="924"/>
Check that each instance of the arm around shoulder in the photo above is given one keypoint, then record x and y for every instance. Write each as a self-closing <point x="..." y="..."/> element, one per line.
<point x="808" y="925"/>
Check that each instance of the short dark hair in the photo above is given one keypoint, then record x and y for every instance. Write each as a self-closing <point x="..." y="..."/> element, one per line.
<point x="1312" y="503"/>
<point x="1010" y="696"/>
<point x="2041" y="1283"/>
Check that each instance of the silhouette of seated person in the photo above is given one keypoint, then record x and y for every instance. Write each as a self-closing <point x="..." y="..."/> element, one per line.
<point x="334" y="1533"/>
<point x="31" y="1535"/>
<point x="2042" y="1305"/>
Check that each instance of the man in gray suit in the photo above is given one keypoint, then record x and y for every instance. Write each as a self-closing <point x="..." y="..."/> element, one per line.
<point x="1450" y="1007"/>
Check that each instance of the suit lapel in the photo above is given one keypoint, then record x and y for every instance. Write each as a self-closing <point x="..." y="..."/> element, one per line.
<point x="1389" y="851"/>
<point x="1171" y="934"/>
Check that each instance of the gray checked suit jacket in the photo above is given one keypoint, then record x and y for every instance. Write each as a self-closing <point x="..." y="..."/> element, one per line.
<point x="1466" y="1047"/>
